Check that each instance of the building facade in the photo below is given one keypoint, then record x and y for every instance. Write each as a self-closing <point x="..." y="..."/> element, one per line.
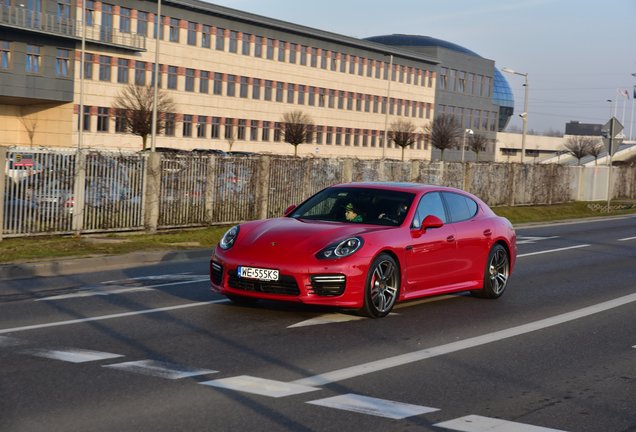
<point x="232" y="76"/>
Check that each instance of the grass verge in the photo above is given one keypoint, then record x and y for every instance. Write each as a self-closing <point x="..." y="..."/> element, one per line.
<point x="39" y="248"/>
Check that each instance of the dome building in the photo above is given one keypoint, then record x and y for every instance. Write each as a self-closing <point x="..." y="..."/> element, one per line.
<point x="468" y="86"/>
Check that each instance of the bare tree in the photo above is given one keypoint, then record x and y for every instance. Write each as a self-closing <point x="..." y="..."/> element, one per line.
<point x="596" y="149"/>
<point x="134" y="105"/>
<point x="477" y="143"/>
<point x="579" y="146"/>
<point x="445" y="132"/>
<point x="297" y="128"/>
<point x="30" y="125"/>
<point x="402" y="133"/>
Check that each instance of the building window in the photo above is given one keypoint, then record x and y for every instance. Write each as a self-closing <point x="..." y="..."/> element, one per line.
<point x="124" y="20"/>
<point x="231" y="85"/>
<point x="169" y="124"/>
<point x="5" y="54"/>
<point x="62" y="58"/>
<point x="270" y="49"/>
<point x="245" y="50"/>
<point x="311" y="96"/>
<point x="189" y="80"/>
<point x="281" y="50"/>
<point x="104" y="68"/>
<point x="277" y="132"/>
<point x="341" y="99"/>
<point x="217" y="88"/>
<point x="201" y="126"/>
<point x="269" y="85"/>
<point x="152" y="76"/>
<point x="86" y="125"/>
<point x="187" y="125"/>
<point x="206" y="36"/>
<point x="140" y="72"/>
<point x="142" y="23"/>
<point x="122" y="71"/>
<point x="333" y="64"/>
<point x="102" y="119"/>
<point x="157" y="27"/>
<point x="89" y="12"/>
<point x="63" y="10"/>
<point x="192" y="33"/>
<point x="258" y="47"/>
<point x="279" y="91"/>
<point x="314" y="58"/>
<point x="301" y="95"/>
<point x="332" y="98"/>
<point x="33" y="59"/>
<point x="256" y="88"/>
<point x="303" y="55"/>
<point x="233" y="42"/>
<point x="243" y="87"/>
<point x="220" y="39"/>
<point x="290" y="93"/>
<point x="319" y="134"/>
<point x="240" y="130"/>
<point x="229" y="129"/>
<point x="292" y="53"/>
<point x="253" y="131"/>
<point x="265" y="132"/>
<point x="172" y="77"/>
<point x="174" y="30"/>
<point x="120" y="122"/>
<point x="204" y="80"/>
<point x="215" y="127"/>
<point x="88" y="66"/>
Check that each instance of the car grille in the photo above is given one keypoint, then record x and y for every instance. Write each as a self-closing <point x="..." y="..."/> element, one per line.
<point x="285" y="285"/>
<point x="328" y="285"/>
<point x="216" y="273"/>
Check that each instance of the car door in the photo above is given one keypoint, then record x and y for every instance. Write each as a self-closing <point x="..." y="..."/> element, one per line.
<point x="471" y="236"/>
<point x="430" y="256"/>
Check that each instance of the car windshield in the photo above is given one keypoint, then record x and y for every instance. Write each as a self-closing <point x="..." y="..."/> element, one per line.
<point x="356" y="205"/>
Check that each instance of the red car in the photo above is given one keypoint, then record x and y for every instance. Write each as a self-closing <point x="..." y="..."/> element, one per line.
<point x="368" y="246"/>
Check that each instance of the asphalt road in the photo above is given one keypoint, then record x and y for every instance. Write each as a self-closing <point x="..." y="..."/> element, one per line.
<point x="149" y="348"/>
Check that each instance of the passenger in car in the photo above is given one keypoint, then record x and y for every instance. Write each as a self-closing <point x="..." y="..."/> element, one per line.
<point x="351" y="213"/>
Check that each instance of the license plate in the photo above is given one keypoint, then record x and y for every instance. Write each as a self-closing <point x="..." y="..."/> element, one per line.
<point x="257" y="273"/>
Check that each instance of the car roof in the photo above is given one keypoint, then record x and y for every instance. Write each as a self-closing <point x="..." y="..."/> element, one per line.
<point x="398" y="186"/>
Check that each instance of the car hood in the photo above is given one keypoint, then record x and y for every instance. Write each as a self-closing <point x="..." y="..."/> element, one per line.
<point x="293" y="238"/>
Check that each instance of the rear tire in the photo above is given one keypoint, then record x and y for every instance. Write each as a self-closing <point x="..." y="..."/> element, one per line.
<point x="495" y="274"/>
<point x="382" y="287"/>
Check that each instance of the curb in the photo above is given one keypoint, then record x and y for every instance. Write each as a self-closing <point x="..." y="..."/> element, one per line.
<point x="75" y="265"/>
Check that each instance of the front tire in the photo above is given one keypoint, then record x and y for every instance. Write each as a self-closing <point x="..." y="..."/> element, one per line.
<point x="382" y="287"/>
<point x="496" y="273"/>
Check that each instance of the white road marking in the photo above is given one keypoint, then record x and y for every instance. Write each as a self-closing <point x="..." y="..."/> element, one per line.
<point x="390" y="362"/>
<point x="6" y="341"/>
<point x="107" y="317"/>
<point x="475" y="423"/>
<point x="627" y="239"/>
<point x="530" y="240"/>
<point x="114" y="289"/>
<point x="553" y="250"/>
<point x="260" y="386"/>
<point x="373" y="406"/>
<point x="160" y="369"/>
<point x="72" y="355"/>
<point x="327" y="319"/>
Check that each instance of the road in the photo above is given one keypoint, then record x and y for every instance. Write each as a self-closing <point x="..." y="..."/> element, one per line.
<point x="151" y="349"/>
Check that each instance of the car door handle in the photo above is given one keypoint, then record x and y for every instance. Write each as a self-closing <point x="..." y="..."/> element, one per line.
<point x="450" y="238"/>
<point x="487" y="232"/>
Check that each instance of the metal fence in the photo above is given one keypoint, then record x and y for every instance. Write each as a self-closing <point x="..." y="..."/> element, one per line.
<point x="64" y="192"/>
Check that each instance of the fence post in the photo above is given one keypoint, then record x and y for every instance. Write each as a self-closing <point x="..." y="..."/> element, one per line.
<point x="153" y="191"/>
<point x="347" y="170"/>
<point x="210" y="189"/>
<point x="262" y="188"/>
<point x="415" y="171"/>
<point x="79" y="183"/>
<point x="3" y="164"/>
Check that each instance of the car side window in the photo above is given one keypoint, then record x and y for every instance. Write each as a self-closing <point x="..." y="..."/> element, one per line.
<point x="460" y="207"/>
<point x="430" y="204"/>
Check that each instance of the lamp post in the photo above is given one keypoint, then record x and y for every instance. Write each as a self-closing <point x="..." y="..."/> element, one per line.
<point x="466" y="132"/>
<point x="524" y="114"/>
<point x="610" y="107"/>
<point x="631" y="123"/>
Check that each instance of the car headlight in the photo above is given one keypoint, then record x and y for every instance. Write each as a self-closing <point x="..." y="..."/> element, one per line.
<point x="228" y="239"/>
<point x="341" y="249"/>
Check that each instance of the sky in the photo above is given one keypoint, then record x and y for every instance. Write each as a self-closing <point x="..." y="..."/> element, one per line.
<point x="578" y="54"/>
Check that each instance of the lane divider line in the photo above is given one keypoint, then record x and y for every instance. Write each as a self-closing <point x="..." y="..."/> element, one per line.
<point x="553" y="250"/>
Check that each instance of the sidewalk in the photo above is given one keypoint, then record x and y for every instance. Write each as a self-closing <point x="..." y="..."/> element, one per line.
<point x="75" y="265"/>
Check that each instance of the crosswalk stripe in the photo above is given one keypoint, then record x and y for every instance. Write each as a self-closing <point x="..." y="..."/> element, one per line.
<point x="71" y="355"/>
<point x="159" y="369"/>
<point x="373" y="406"/>
<point x="260" y="386"/>
<point x="475" y="423"/>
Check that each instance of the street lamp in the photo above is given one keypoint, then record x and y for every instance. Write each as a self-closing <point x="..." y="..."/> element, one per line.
<point x="524" y="114"/>
<point x="466" y="132"/>
<point x="610" y="107"/>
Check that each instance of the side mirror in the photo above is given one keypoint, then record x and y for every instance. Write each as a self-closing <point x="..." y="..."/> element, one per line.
<point x="431" y="221"/>
<point x="289" y="209"/>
